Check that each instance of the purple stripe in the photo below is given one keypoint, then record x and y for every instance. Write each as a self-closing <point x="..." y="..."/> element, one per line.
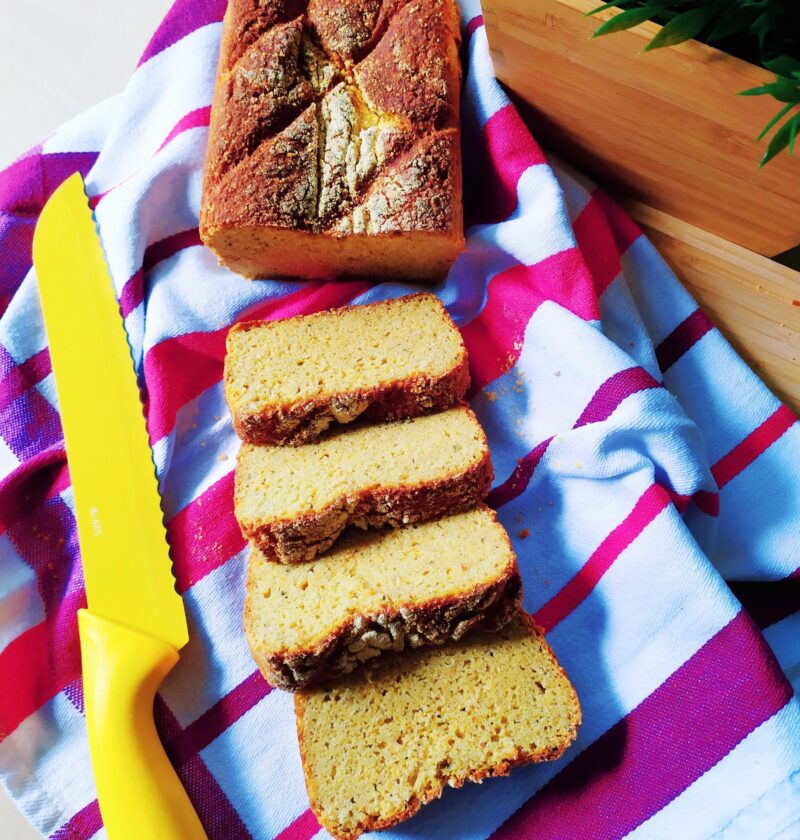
<point x="769" y="602"/>
<point x="223" y="714"/>
<point x="183" y="18"/>
<point x="17" y="379"/>
<point x="85" y="824"/>
<point x="612" y="392"/>
<point x="682" y="338"/>
<point x="220" y="819"/>
<point x="686" y="726"/>
<point x="25" y="186"/>
<point x="133" y="291"/>
<point x="29" y="424"/>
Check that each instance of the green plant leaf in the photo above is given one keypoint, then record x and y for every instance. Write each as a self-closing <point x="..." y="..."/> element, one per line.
<point x="625" y="20"/>
<point x="783" y="90"/>
<point x="615" y="4"/>
<point x="784" y="66"/>
<point x="783" y="137"/>
<point x="776" y="119"/>
<point x="682" y="28"/>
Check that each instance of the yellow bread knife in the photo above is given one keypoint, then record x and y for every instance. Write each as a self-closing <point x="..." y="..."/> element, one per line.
<point x="135" y="622"/>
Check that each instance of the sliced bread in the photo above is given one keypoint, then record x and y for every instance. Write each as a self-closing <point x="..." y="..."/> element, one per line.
<point x="379" y="591"/>
<point x="293" y="502"/>
<point x="387" y="739"/>
<point x="288" y="380"/>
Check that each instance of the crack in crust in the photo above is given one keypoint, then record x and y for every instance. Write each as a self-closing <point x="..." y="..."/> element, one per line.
<point x="373" y="80"/>
<point x="366" y="637"/>
<point x="303" y="538"/>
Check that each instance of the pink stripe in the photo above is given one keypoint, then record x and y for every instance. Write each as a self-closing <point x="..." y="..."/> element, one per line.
<point x="623" y="228"/>
<point x="474" y="24"/>
<point x="198" y="118"/>
<point x="755" y="444"/>
<point x="185" y="17"/>
<point x="303" y="828"/>
<point x="165" y="365"/>
<point x="508" y="149"/>
<point x="85" y="824"/>
<point x="133" y="291"/>
<point x="682" y="339"/>
<point x="596" y="242"/>
<point x="205" y="534"/>
<point x="606" y="399"/>
<point x="494" y="337"/>
<point x="704" y="500"/>
<point x="613" y="391"/>
<point x="516" y="483"/>
<point x="646" y="509"/>
<point x="222" y="715"/>
<point x="693" y="720"/>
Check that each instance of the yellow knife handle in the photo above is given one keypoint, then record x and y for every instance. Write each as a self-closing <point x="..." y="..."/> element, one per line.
<point x="139" y="793"/>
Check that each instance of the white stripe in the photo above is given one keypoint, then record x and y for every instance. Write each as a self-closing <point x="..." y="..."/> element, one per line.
<point x="217" y="658"/>
<point x="21" y="605"/>
<point x="784" y="639"/>
<point x="47" y="388"/>
<point x="22" y="325"/>
<point x="483" y="97"/>
<point x="271" y="795"/>
<point x="203" y="451"/>
<point x="183" y="75"/>
<point x="8" y="460"/>
<point x="45" y="765"/>
<point x="88" y="131"/>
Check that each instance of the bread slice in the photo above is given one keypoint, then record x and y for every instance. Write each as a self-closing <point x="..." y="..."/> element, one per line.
<point x="293" y="502"/>
<point x="387" y="739"/>
<point x="334" y="146"/>
<point x="286" y="381"/>
<point x="379" y="591"/>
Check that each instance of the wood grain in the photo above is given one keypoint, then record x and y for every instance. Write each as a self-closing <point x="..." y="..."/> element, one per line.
<point x="664" y="128"/>
<point x="753" y="300"/>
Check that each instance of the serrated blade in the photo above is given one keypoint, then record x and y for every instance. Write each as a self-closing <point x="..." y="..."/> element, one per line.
<point x="124" y="548"/>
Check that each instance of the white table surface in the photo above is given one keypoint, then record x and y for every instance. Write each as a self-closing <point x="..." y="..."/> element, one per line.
<point x="58" y="57"/>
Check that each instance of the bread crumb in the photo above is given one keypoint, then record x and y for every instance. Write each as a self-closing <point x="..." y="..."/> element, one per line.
<point x="524" y="533"/>
<point x="223" y="457"/>
<point x="795" y="302"/>
<point x="491" y="395"/>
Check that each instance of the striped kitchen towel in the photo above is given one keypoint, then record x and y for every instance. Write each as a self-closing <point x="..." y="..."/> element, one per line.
<point x="644" y="473"/>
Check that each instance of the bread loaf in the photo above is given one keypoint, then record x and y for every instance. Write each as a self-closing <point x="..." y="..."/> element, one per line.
<point x="377" y="592"/>
<point x="334" y="144"/>
<point x="381" y="743"/>
<point x="293" y="502"/>
<point x="288" y="380"/>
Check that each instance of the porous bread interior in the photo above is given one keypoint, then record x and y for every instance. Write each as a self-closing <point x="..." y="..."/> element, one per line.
<point x="274" y="253"/>
<point x="274" y="483"/>
<point x="380" y="743"/>
<point x="295" y="607"/>
<point x="280" y="363"/>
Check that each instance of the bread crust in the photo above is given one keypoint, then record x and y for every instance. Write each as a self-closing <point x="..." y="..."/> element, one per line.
<point x="288" y="69"/>
<point x="436" y="786"/>
<point x="364" y="637"/>
<point x="297" y="423"/>
<point x="302" y="538"/>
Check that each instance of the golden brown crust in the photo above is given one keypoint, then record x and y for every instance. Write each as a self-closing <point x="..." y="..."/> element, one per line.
<point x="364" y="637"/>
<point x="297" y="423"/>
<point x="436" y="788"/>
<point x="335" y="118"/>
<point x="304" y="537"/>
